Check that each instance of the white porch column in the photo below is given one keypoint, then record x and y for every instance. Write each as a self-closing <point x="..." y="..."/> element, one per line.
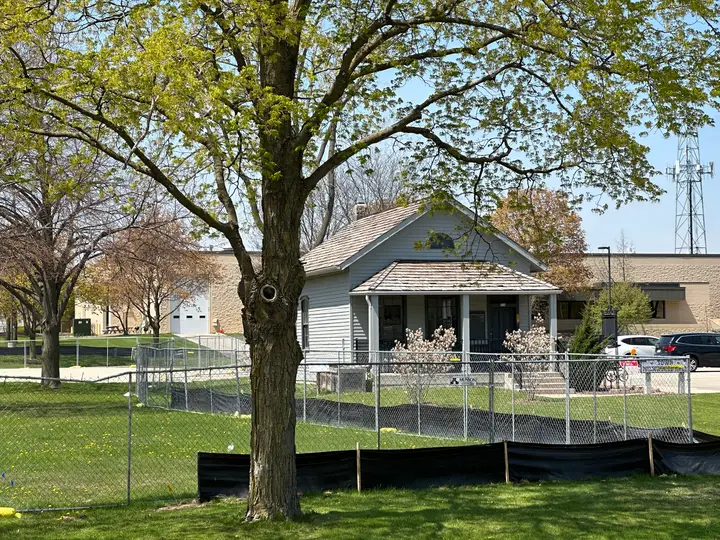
<point x="466" y="327"/>
<point x="373" y="302"/>
<point x="553" y="321"/>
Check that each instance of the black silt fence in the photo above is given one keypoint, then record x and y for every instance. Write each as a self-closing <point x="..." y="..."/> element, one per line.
<point x="228" y="474"/>
<point x="435" y="421"/>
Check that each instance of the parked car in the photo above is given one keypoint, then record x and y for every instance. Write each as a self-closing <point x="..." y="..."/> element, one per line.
<point x="702" y="348"/>
<point x="642" y="345"/>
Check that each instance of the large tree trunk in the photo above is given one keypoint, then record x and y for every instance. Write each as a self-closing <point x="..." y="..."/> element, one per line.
<point x="51" y="354"/>
<point x="269" y="316"/>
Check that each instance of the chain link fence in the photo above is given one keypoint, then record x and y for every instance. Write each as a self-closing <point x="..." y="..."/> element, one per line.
<point x="136" y="436"/>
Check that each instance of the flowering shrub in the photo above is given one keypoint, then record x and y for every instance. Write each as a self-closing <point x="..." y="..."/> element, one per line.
<point x="420" y="361"/>
<point x="536" y="343"/>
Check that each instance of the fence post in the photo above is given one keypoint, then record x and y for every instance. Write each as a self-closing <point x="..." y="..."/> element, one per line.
<point x="107" y="351"/>
<point x="595" y="385"/>
<point x="338" y="393"/>
<point x="24" y="353"/>
<point x="465" y="396"/>
<point x="419" y="394"/>
<point x="512" y="397"/>
<point x="129" y="439"/>
<point x="377" y="400"/>
<point x="648" y="383"/>
<point x="305" y="387"/>
<point x="237" y="386"/>
<point x="691" y="437"/>
<point x="625" y="421"/>
<point x="77" y="351"/>
<point x="491" y="398"/>
<point x="211" y="396"/>
<point x="187" y="408"/>
<point x="567" y="398"/>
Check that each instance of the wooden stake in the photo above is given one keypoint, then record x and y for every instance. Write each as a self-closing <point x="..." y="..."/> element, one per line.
<point x="507" y="464"/>
<point x="652" y="458"/>
<point x="359" y="483"/>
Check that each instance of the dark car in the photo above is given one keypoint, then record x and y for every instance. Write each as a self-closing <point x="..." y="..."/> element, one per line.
<point x="702" y="348"/>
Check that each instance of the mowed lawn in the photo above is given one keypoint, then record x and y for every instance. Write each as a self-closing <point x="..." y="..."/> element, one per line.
<point x="113" y="350"/>
<point x="69" y="447"/>
<point x="634" y="508"/>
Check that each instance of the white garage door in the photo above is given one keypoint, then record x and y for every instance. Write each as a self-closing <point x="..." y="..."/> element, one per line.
<point x="192" y="317"/>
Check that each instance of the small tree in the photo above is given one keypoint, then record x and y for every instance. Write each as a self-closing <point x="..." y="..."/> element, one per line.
<point x="586" y="373"/>
<point x="421" y="360"/>
<point x="632" y="303"/>
<point x="544" y="222"/>
<point x="536" y="346"/>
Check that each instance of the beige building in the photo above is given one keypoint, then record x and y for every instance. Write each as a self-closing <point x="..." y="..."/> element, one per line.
<point x="684" y="290"/>
<point x="218" y="309"/>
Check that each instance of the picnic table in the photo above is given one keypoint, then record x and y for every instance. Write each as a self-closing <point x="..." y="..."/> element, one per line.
<point x="112" y="329"/>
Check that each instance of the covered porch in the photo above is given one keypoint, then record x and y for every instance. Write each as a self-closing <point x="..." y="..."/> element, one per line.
<point x="481" y="301"/>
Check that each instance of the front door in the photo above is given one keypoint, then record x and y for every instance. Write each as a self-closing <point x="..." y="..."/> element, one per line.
<point x="502" y="320"/>
<point x="392" y="321"/>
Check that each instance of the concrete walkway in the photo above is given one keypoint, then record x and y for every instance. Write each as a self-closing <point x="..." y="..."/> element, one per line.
<point x="73" y="373"/>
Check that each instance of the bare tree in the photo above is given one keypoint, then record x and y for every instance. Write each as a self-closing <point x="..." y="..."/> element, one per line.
<point x="58" y="203"/>
<point x="623" y="247"/>
<point x="373" y="178"/>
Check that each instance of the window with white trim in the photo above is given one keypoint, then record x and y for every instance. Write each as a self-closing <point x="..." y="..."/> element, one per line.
<point x="305" y="323"/>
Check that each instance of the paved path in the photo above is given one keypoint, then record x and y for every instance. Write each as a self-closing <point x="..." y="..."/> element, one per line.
<point x="72" y="373"/>
<point x="705" y="381"/>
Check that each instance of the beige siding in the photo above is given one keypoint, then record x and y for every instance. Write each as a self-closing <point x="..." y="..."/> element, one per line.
<point x="225" y="304"/>
<point x="699" y="275"/>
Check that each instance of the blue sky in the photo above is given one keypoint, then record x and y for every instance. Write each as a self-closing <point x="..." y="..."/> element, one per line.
<point x="651" y="226"/>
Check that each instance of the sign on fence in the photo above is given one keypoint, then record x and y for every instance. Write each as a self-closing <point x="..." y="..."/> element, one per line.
<point x="670" y="365"/>
<point x="463" y="381"/>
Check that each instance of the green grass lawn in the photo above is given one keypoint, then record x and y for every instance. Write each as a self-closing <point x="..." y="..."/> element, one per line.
<point x="634" y="508"/>
<point x="69" y="447"/>
<point x="111" y="350"/>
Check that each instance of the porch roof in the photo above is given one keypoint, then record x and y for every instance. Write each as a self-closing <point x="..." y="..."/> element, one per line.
<point x="452" y="277"/>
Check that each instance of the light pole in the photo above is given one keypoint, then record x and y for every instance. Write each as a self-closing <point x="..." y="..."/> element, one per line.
<point x="610" y="316"/>
<point x="609" y="282"/>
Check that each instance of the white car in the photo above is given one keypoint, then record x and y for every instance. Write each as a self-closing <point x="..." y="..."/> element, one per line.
<point x="642" y="345"/>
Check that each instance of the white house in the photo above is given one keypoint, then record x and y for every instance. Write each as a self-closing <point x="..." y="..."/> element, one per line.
<point x="369" y="282"/>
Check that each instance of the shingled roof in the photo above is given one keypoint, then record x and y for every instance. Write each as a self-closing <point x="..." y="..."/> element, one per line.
<point x="452" y="277"/>
<point x="337" y="249"/>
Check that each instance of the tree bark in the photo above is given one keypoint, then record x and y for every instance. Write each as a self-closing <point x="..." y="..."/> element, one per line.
<point x="51" y="354"/>
<point x="269" y="316"/>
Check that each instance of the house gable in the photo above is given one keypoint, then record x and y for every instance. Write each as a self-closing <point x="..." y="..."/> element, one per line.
<point x="402" y="246"/>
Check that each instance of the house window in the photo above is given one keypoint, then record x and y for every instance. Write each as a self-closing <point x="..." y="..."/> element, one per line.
<point x="441" y="241"/>
<point x="441" y="311"/>
<point x="570" y="309"/>
<point x="305" y="322"/>
<point x="658" y="309"/>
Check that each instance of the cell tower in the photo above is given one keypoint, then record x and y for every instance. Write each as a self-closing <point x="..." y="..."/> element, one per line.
<point x="688" y="175"/>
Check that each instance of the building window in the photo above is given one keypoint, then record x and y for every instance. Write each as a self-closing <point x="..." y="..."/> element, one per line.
<point x="441" y="311"/>
<point x="441" y="241"/>
<point x="570" y="309"/>
<point x="658" y="309"/>
<point x="305" y="323"/>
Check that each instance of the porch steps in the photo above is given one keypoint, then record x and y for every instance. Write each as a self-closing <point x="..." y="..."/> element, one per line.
<point x="544" y="383"/>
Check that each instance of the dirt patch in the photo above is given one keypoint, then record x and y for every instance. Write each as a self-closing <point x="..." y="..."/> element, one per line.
<point x="181" y="506"/>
